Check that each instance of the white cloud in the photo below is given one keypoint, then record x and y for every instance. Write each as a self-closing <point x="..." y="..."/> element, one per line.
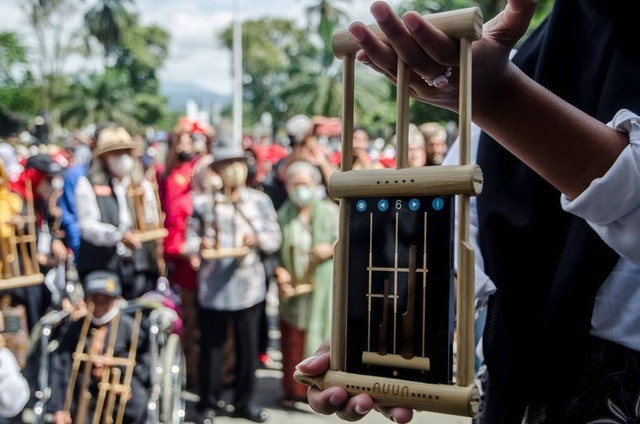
<point x="195" y="54"/>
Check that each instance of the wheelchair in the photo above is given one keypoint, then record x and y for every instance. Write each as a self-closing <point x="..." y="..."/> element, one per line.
<point x="166" y="358"/>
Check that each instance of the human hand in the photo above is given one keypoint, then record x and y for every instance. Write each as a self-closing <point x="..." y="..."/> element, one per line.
<point x="195" y="261"/>
<point x="59" y="250"/>
<point x="428" y="51"/>
<point x="131" y="240"/>
<point x="251" y="241"/>
<point x="336" y="399"/>
<point x="62" y="417"/>
<point x="283" y="279"/>
<point x="322" y="251"/>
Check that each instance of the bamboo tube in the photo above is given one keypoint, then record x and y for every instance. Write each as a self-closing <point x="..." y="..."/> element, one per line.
<point x="442" y="398"/>
<point x="457" y="24"/>
<point x="111" y="400"/>
<point x="27" y="265"/>
<point x="133" y="347"/>
<point x="402" y="115"/>
<point x="106" y="372"/>
<point x="424" y="181"/>
<point x="82" y="340"/>
<point x="31" y="220"/>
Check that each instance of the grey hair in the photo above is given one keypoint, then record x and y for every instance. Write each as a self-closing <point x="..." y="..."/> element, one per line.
<point x="303" y="165"/>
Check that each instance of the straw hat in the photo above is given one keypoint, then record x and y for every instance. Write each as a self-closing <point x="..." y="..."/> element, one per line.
<point x="113" y="139"/>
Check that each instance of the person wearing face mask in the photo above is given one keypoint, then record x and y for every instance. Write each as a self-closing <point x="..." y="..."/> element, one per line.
<point x="309" y="231"/>
<point x="230" y="289"/>
<point x="105" y="214"/>
<point x="103" y="291"/>
<point x="174" y="187"/>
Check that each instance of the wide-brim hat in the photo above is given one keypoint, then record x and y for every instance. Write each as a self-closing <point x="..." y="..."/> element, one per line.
<point x="112" y="140"/>
<point x="102" y="282"/>
<point x="226" y="153"/>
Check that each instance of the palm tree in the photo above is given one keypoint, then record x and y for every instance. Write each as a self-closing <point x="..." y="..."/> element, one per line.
<point x="99" y="97"/>
<point x="105" y="22"/>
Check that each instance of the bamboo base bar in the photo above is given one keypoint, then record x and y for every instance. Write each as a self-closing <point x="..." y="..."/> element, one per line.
<point x="425" y="181"/>
<point x="225" y="252"/>
<point x="21" y="281"/>
<point x="441" y="398"/>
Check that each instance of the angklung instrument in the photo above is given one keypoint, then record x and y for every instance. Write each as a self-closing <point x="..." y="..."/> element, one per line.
<point x="20" y="267"/>
<point x="393" y="299"/>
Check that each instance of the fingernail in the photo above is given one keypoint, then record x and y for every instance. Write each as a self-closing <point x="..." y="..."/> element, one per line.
<point x="411" y="22"/>
<point x="360" y="410"/>
<point x="336" y="400"/>
<point x="306" y="362"/>
<point x="380" y="13"/>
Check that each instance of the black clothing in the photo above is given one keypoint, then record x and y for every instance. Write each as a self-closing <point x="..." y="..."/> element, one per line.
<point x="138" y="272"/>
<point x="62" y="360"/>
<point x="245" y="327"/>
<point x="547" y="265"/>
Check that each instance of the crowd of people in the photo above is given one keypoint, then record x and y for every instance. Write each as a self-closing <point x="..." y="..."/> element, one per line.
<point x="236" y="220"/>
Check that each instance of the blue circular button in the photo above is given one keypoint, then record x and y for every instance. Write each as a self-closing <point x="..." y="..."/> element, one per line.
<point x="361" y="205"/>
<point x="437" y="203"/>
<point x="414" y="204"/>
<point x="383" y="205"/>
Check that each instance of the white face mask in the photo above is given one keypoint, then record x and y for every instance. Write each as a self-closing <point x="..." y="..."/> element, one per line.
<point x="120" y="165"/>
<point x="111" y="314"/>
<point x="302" y="196"/>
<point x="234" y="174"/>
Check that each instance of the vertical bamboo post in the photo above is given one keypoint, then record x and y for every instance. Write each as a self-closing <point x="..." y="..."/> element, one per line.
<point x="402" y="115"/>
<point x="341" y="250"/>
<point x="465" y="290"/>
<point x="128" y="375"/>
<point x="31" y="212"/>
<point x="104" y="383"/>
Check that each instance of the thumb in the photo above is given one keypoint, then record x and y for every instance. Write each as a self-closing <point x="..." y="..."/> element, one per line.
<point x="512" y="23"/>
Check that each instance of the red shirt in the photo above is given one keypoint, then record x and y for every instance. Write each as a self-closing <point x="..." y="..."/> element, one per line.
<point x="174" y="189"/>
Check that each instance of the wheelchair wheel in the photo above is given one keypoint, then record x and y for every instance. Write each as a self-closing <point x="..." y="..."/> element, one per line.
<point x="174" y="380"/>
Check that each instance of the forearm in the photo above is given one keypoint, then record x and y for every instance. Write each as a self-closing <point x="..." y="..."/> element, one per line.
<point x="564" y="145"/>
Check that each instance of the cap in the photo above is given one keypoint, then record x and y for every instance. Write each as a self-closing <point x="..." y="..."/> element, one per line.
<point x="113" y="139"/>
<point x="299" y="127"/>
<point x="45" y="164"/>
<point x="102" y="282"/>
<point x="222" y="153"/>
<point x="14" y="389"/>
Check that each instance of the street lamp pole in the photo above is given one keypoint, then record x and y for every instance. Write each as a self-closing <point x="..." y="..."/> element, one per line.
<point x="237" y="75"/>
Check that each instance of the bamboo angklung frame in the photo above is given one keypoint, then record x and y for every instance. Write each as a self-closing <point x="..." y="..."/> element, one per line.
<point x="23" y="270"/>
<point x="464" y="180"/>
<point x="110" y="387"/>
<point x="145" y="231"/>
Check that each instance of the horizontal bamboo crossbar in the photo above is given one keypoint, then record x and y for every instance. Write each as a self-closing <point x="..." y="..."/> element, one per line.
<point x="424" y="181"/>
<point x="225" y="252"/>
<point x="21" y="281"/>
<point x="457" y="24"/>
<point x="441" y="398"/>
<point x="150" y="235"/>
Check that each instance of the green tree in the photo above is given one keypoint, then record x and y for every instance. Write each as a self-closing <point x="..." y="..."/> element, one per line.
<point x="98" y="97"/>
<point x="17" y="92"/>
<point x="106" y="21"/>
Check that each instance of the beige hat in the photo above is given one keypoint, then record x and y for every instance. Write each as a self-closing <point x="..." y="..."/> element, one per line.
<point x="113" y="139"/>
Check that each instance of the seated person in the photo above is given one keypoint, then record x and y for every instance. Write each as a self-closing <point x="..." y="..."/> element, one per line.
<point x="102" y="290"/>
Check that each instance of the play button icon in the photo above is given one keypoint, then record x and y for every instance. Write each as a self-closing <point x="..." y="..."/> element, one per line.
<point x="383" y="205"/>
<point x="414" y="204"/>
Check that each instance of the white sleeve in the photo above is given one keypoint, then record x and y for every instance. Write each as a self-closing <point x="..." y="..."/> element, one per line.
<point x="484" y="287"/>
<point x="91" y="227"/>
<point x="611" y="204"/>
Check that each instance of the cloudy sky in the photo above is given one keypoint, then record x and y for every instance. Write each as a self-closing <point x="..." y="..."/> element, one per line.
<point x="195" y="55"/>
